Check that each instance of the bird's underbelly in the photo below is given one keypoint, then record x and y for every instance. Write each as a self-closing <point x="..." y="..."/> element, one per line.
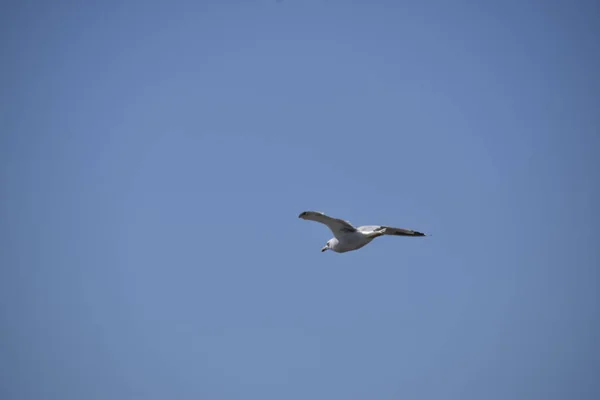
<point x="352" y="242"/>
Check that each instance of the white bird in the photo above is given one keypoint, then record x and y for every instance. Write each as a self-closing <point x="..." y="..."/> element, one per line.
<point x="347" y="237"/>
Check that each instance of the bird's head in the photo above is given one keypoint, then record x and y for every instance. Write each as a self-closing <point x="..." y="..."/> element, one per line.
<point x="329" y="245"/>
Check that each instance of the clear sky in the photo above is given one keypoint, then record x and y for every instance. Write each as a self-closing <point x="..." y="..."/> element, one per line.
<point x="155" y="155"/>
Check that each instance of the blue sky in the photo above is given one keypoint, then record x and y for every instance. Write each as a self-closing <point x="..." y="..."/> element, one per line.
<point x="154" y="157"/>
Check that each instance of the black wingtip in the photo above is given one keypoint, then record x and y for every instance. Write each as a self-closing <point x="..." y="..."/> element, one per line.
<point x="302" y="214"/>
<point x="413" y="234"/>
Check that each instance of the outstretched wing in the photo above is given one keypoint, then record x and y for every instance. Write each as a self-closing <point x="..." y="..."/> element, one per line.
<point x="388" y="230"/>
<point x="338" y="226"/>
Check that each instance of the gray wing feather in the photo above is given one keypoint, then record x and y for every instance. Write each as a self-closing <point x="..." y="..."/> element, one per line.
<point x="337" y="226"/>
<point x="388" y="230"/>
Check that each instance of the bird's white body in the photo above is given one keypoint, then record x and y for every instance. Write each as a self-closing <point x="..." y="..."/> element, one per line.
<point x="348" y="242"/>
<point x="347" y="237"/>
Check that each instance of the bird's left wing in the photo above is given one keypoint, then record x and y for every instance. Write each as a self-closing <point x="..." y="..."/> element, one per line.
<point x="337" y="226"/>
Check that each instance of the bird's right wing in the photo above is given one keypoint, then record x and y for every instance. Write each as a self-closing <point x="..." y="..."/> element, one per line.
<point x="401" y="232"/>
<point x="387" y="230"/>
<point x="337" y="226"/>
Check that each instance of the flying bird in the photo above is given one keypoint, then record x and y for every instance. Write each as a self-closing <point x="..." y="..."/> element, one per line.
<point x="348" y="238"/>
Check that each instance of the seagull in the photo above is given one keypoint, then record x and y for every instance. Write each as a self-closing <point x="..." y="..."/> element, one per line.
<point x="347" y="237"/>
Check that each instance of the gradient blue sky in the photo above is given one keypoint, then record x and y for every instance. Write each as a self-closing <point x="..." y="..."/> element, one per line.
<point x="155" y="156"/>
